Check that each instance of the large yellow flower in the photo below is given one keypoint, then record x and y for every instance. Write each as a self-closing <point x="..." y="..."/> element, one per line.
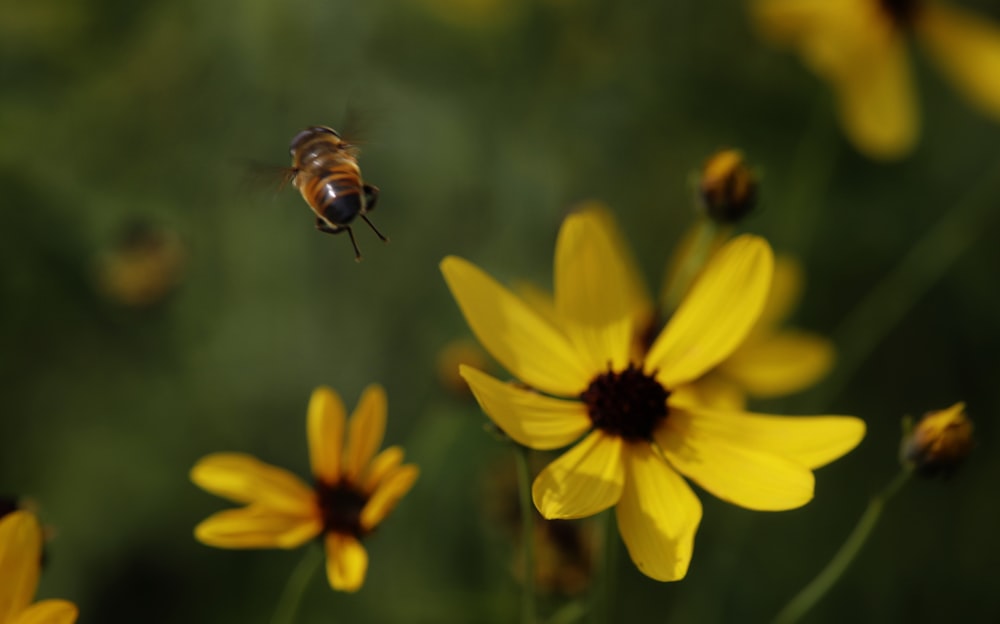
<point x="859" y="46"/>
<point x="353" y="489"/>
<point x="640" y="425"/>
<point x="20" y="563"/>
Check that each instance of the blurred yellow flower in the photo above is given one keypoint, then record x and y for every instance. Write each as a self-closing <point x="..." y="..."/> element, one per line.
<point x="640" y="424"/>
<point x="353" y="489"/>
<point x="939" y="442"/>
<point x="20" y="566"/>
<point x="859" y="46"/>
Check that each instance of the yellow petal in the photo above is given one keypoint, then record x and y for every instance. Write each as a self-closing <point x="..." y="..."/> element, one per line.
<point x="811" y="441"/>
<point x="583" y="481"/>
<point x="855" y="46"/>
<point x="325" y="432"/>
<point x="968" y="49"/>
<point x="384" y="499"/>
<point x="786" y="289"/>
<point x="540" y="300"/>
<point x="48" y="612"/>
<point x="384" y="463"/>
<point x="717" y="313"/>
<point x="657" y="514"/>
<point x="640" y="299"/>
<point x="245" y="479"/>
<point x="875" y="97"/>
<point x="346" y="562"/>
<point x="707" y="448"/>
<point x="256" y="527"/>
<point x="20" y="559"/>
<point x="523" y="341"/>
<point x="591" y="293"/>
<point x="711" y="390"/>
<point x="530" y="418"/>
<point x="780" y="364"/>
<point x="367" y="430"/>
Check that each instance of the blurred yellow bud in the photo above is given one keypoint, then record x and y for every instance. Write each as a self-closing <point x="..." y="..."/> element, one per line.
<point x="143" y="267"/>
<point x="727" y="187"/>
<point x="938" y="442"/>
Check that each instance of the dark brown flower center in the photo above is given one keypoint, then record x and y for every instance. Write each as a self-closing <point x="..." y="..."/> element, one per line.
<point x="902" y="12"/>
<point x="341" y="506"/>
<point x="629" y="404"/>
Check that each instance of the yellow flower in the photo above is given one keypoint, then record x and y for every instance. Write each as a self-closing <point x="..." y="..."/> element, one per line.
<point x="20" y="563"/>
<point x="772" y="361"/>
<point x="727" y="187"/>
<point x="353" y="489"/>
<point x="859" y="46"/>
<point x="640" y="427"/>
<point x="939" y="442"/>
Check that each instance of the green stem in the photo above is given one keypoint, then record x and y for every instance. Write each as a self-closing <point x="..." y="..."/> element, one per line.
<point x="849" y="550"/>
<point x="690" y="264"/>
<point x="528" y="611"/>
<point x="288" y="605"/>
<point x="890" y="299"/>
<point x="605" y="585"/>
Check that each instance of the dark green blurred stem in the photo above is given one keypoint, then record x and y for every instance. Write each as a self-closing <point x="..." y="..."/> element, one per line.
<point x="826" y="579"/>
<point x="690" y="264"/>
<point x="930" y="258"/>
<point x="527" y="535"/>
<point x="808" y="177"/>
<point x="604" y="590"/>
<point x="288" y="605"/>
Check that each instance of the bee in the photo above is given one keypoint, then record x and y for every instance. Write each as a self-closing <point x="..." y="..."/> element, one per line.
<point x="326" y="172"/>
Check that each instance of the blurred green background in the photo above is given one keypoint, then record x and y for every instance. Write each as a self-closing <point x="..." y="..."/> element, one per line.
<point x="485" y="121"/>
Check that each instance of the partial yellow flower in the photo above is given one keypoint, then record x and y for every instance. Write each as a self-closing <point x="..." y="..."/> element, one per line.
<point x="20" y="566"/>
<point x="640" y="428"/>
<point x="859" y="46"/>
<point x="772" y="361"/>
<point x="353" y="489"/>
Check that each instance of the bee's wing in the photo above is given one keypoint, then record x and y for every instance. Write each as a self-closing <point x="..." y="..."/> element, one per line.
<point x="269" y="178"/>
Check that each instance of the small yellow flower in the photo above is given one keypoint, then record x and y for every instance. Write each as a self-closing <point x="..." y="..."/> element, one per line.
<point x="859" y="46"/>
<point x="454" y="354"/>
<point x="641" y="428"/>
<point x="939" y="442"/>
<point x="20" y="566"/>
<point x="353" y="489"/>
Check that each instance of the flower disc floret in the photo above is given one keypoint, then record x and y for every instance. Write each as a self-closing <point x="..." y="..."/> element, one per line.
<point x="628" y="404"/>
<point x="341" y="506"/>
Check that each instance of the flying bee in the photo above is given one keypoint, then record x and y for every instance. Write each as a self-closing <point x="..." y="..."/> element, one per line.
<point x="326" y="172"/>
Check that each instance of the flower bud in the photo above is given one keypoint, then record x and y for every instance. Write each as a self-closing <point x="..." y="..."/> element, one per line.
<point x="727" y="187"/>
<point x="938" y="442"/>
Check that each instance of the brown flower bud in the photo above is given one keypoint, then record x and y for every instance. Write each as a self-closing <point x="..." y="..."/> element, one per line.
<point x="938" y="442"/>
<point x="727" y="187"/>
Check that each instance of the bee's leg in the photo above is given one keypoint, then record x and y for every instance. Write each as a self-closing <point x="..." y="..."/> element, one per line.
<point x="323" y="226"/>
<point x="375" y="229"/>
<point x="371" y="196"/>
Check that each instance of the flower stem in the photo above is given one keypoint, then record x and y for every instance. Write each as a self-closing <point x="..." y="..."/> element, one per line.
<point x="288" y="605"/>
<point x="528" y="611"/>
<point x="814" y="591"/>
<point x="930" y="258"/>
<point x="605" y="590"/>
